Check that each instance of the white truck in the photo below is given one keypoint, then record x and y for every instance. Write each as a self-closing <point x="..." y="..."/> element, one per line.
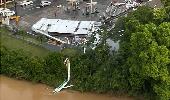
<point x="6" y="12"/>
<point x="45" y="3"/>
<point x="26" y="3"/>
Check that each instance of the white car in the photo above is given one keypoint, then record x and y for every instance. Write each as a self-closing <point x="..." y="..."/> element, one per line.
<point x="6" y="12"/>
<point x="26" y="3"/>
<point x="45" y="3"/>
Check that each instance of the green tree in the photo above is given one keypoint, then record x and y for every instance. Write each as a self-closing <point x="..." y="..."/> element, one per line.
<point x="54" y="68"/>
<point x="163" y="34"/>
<point x="160" y="15"/>
<point x="148" y="59"/>
<point x="143" y="14"/>
<point x="21" y="33"/>
<point x="144" y="51"/>
<point x="166" y="2"/>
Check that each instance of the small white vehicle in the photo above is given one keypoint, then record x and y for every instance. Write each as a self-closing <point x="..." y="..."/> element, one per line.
<point x="26" y="3"/>
<point x="45" y="3"/>
<point x="6" y="12"/>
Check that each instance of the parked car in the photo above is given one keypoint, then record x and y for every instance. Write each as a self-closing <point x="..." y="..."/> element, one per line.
<point x="26" y="3"/>
<point x="6" y="12"/>
<point x="45" y="3"/>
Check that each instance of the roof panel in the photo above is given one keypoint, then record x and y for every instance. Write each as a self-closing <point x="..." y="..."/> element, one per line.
<point x="63" y="26"/>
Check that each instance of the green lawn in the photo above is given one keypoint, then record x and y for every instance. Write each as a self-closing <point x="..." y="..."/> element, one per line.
<point x="15" y="44"/>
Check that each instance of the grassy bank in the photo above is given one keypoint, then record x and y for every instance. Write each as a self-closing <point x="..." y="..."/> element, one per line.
<point x="15" y="44"/>
<point x="29" y="61"/>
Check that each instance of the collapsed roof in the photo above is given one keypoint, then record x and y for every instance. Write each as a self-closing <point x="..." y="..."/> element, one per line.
<point x="65" y="26"/>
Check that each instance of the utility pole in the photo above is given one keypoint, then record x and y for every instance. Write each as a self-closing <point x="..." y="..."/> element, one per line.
<point x="4" y="4"/>
<point x="63" y="85"/>
<point x="16" y="13"/>
<point x="15" y="5"/>
<point x="1" y="2"/>
<point x="91" y="4"/>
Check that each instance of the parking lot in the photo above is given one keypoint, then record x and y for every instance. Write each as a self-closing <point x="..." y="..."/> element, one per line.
<point x="32" y="13"/>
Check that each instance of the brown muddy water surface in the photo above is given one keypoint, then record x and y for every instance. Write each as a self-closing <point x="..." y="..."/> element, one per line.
<point x="11" y="89"/>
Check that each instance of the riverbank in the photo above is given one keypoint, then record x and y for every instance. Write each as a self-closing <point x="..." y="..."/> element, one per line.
<point x="12" y="89"/>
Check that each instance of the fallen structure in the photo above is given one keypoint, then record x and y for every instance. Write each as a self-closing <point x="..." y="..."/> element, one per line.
<point x="63" y="85"/>
<point x="116" y="8"/>
<point x="57" y="27"/>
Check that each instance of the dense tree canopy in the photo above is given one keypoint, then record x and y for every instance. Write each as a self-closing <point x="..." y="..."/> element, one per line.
<point x="166" y="2"/>
<point x="145" y="49"/>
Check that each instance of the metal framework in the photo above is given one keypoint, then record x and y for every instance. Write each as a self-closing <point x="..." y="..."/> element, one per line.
<point x="63" y="85"/>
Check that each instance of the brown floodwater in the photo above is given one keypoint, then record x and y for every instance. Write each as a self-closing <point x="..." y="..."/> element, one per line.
<point x="11" y="89"/>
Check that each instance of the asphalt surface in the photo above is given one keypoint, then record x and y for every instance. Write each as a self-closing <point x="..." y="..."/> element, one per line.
<point x="30" y="9"/>
<point x="31" y="14"/>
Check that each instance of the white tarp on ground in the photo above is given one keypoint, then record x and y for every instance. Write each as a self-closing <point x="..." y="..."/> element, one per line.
<point x="64" y="26"/>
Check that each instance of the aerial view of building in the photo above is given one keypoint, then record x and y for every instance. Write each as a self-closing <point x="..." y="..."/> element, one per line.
<point x="85" y="49"/>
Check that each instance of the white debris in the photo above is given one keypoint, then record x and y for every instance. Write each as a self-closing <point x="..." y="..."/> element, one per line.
<point x="38" y="7"/>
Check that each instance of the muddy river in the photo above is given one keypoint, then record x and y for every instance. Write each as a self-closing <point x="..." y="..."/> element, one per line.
<point x="11" y="89"/>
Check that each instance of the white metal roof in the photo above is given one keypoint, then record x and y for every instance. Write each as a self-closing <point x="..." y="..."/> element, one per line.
<point x="81" y="32"/>
<point x="63" y="26"/>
